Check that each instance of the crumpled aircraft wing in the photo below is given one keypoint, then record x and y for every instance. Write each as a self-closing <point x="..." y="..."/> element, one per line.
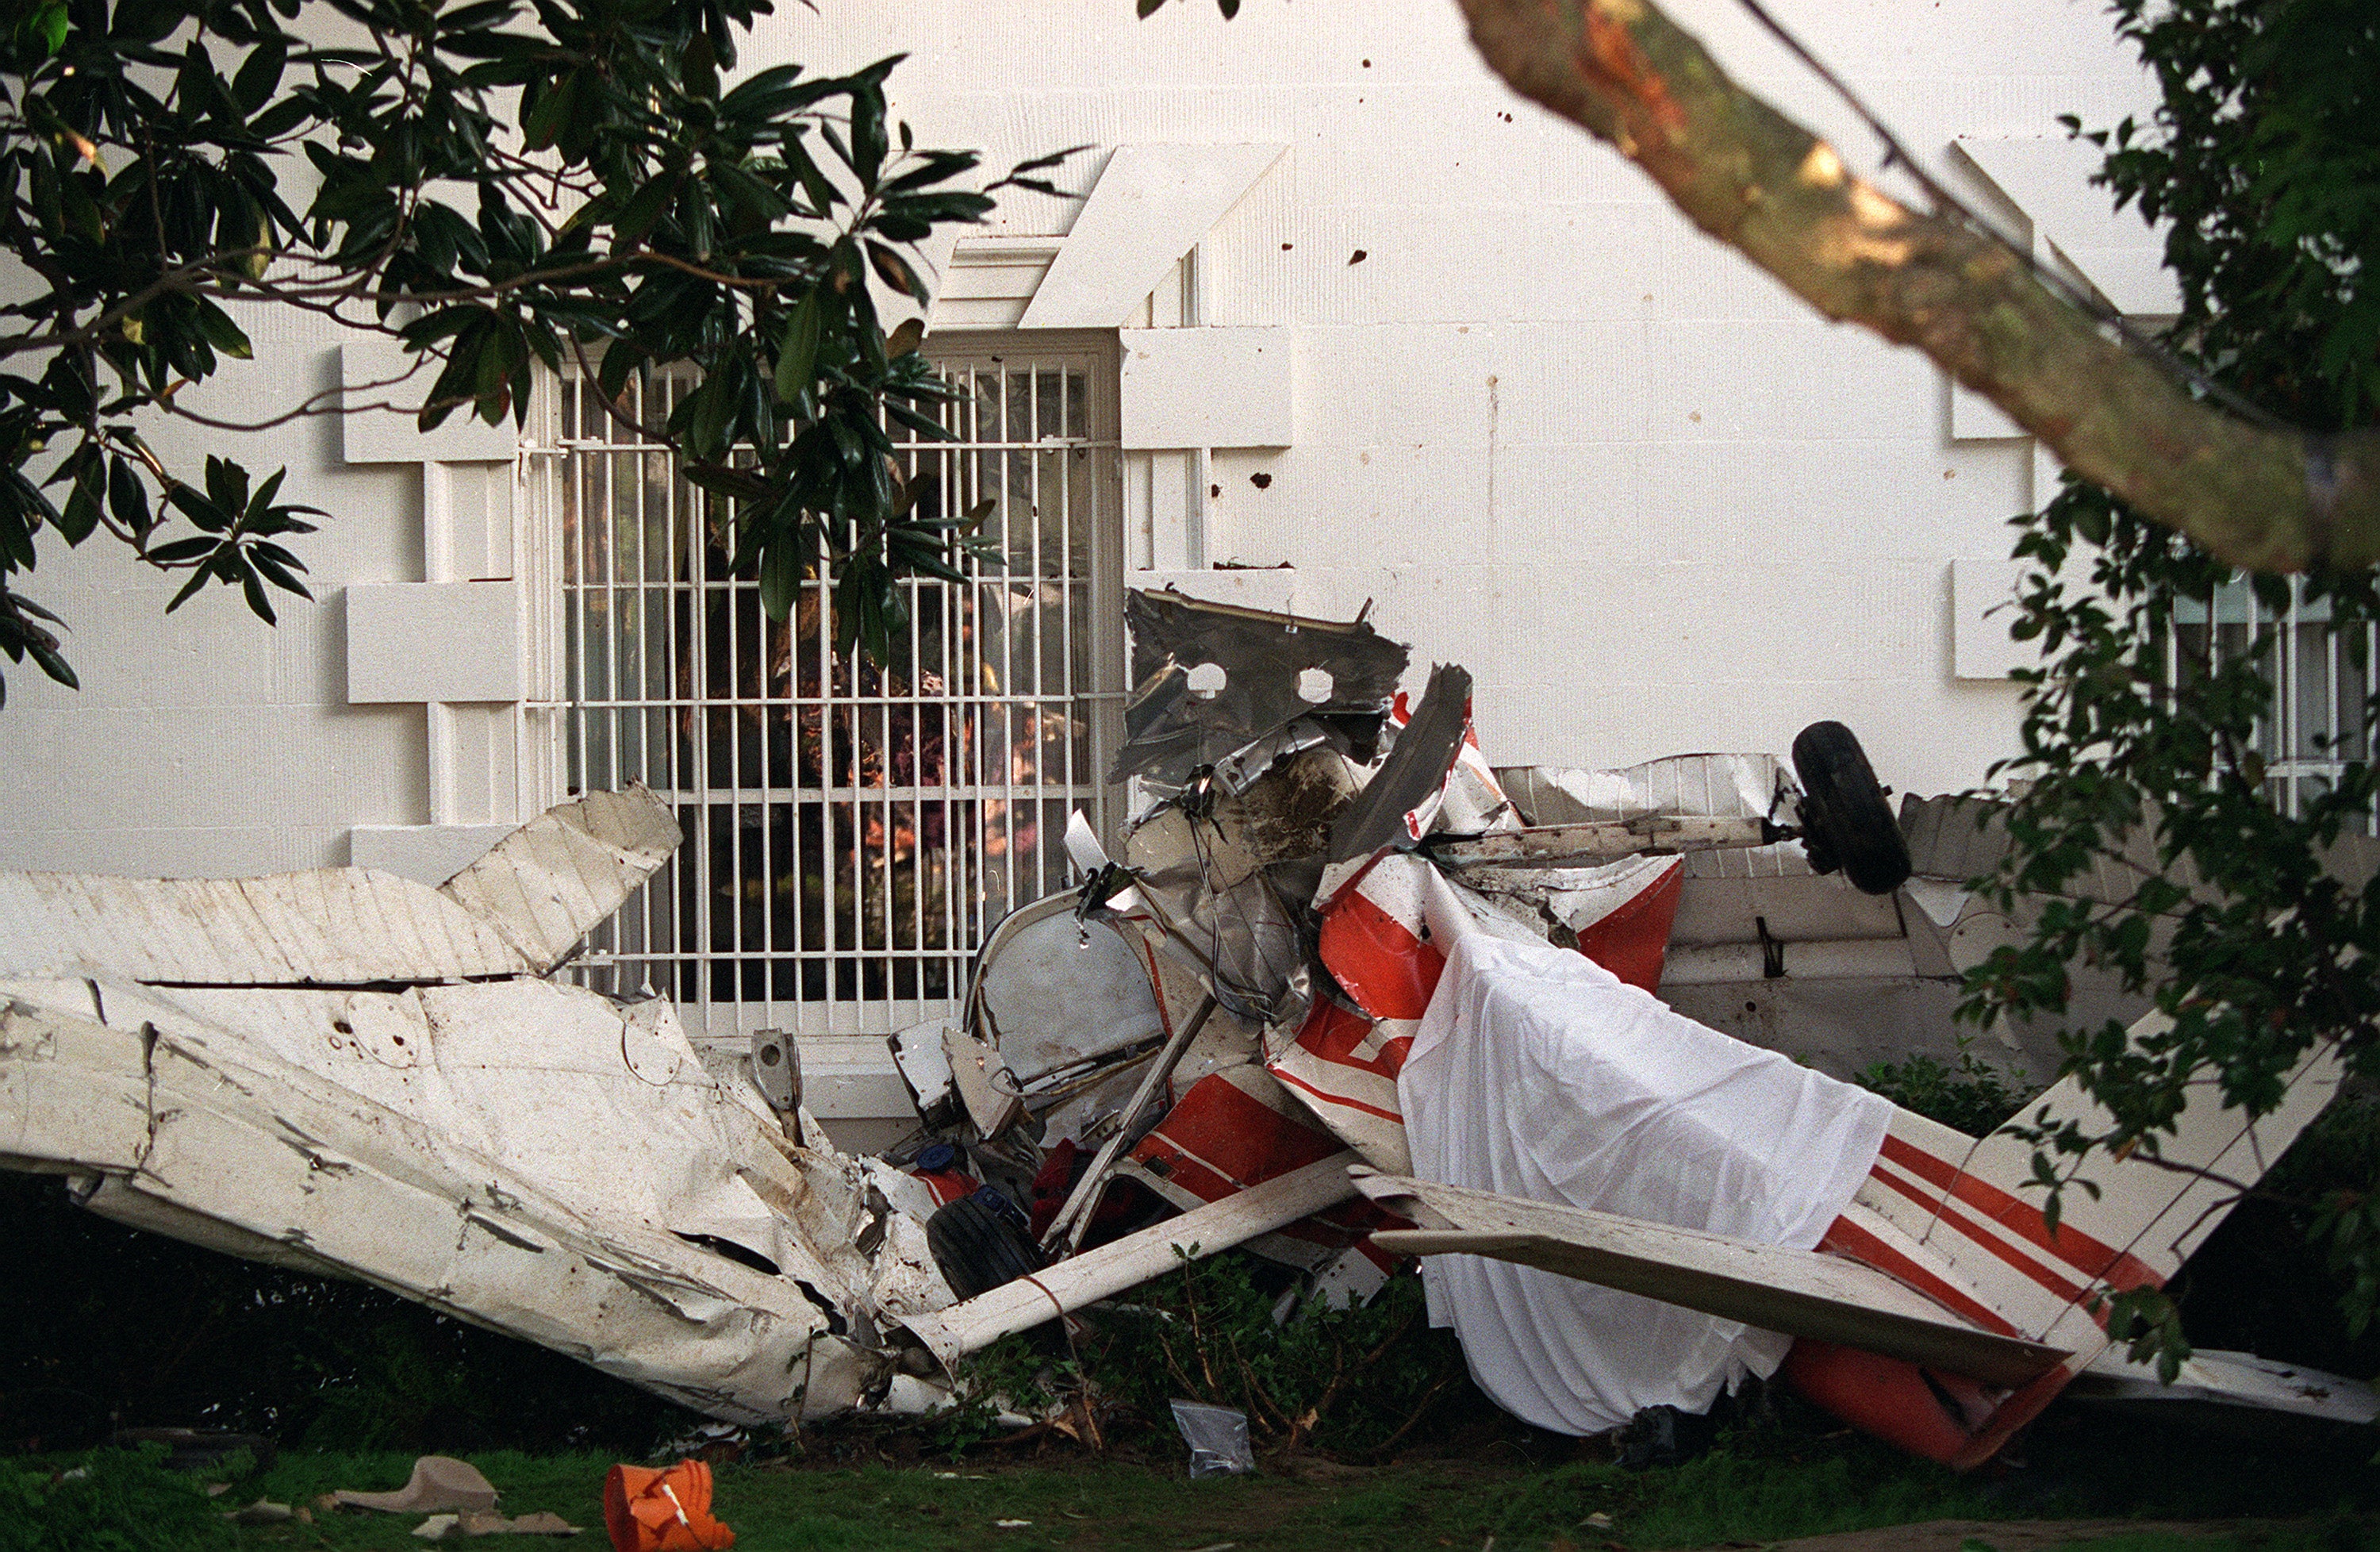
<point x="518" y="911"/>
<point x="548" y="884"/>
<point x="1800" y="1292"/>
<point x="324" y="927"/>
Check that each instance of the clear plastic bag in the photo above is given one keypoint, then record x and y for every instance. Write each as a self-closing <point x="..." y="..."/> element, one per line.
<point x="1217" y="1438"/>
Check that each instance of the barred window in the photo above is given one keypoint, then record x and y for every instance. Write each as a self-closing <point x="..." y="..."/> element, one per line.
<point x="852" y="830"/>
<point x="2321" y="680"/>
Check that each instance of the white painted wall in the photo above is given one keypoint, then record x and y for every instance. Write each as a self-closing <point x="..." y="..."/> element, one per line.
<point x="1552" y="431"/>
<point x="1548" y="429"/>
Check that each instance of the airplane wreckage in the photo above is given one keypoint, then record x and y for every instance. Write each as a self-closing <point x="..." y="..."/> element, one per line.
<point x="1349" y="995"/>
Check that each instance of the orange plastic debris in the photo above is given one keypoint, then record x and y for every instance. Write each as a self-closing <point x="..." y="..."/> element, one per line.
<point x="664" y="1511"/>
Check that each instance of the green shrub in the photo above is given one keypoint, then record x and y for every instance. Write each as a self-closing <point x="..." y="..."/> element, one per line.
<point x="1356" y="1379"/>
<point x="1972" y="1096"/>
<point x="117" y="1501"/>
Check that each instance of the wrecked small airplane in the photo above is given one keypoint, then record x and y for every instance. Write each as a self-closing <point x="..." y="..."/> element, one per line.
<point x="1351" y="994"/>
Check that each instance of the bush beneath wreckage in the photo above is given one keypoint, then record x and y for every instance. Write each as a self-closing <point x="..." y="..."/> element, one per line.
<point x="1359" y="1380"/>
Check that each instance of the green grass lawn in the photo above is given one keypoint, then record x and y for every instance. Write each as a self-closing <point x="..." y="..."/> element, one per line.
<point x="862" y="1488"/>
<point x="854" y="1490"/>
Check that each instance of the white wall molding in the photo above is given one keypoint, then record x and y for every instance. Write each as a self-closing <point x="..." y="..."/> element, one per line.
<point x="1206" y="388"/>
<point x="426" y="854"/>
<point x="375" y="371"/>
<point x="1152" y="204"/>
<point x="2122" y="256"/>
<point x="433" y="641"/>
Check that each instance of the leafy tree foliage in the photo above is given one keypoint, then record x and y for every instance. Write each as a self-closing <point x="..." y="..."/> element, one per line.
<point x="497" y="184"/>
<point x="2151" y="727"/>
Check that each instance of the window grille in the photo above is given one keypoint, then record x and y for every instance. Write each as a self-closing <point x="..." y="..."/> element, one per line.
<point x="852" y="830"/>
<point x="2322" y="681"/>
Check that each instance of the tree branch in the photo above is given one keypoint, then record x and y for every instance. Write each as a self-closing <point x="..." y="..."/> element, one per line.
<point x="2279" y="501"/>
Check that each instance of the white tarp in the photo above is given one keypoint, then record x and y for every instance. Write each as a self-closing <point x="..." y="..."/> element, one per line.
<point x="1537" y="1073"/>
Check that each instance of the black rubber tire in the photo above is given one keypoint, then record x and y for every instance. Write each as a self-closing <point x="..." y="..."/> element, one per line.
<point x="977" y="1247"/>
<point x="1845" y="821"/>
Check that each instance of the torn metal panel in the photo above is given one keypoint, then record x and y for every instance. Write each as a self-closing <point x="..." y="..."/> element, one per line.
<point x="556" y="879"/>
<point x="1598" y="841"/>
<point x="985" y="1085"/>
<point x="1211" y="679"/>
<point x="1056" y="993"/>
<point x="924" y="1069"/>
<point x="1721" y="786"/>
<point x="1716" y="786"/>
<point x="330" y="926"/>
<point x="1248" y="939"/>
<point x="2210" y="1378"/>
<point x="73" y="1095"/>
<point x="1285" y="816"/>
<point x="517" y="911"/>
<point x="1397" y="804"/>
<point x="1240" y="1128"/>
<point x="1073" y="1216"/>
<point x="111" y="1199"/>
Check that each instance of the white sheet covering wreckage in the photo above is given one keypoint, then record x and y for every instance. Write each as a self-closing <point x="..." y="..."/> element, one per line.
<point x="1338" y="940"/>
<point x="1538" y="1073"/>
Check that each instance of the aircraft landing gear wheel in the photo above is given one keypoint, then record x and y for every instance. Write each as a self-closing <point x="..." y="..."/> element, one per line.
<point x="1845" y="823"/>
<point x="977" y="1247"/>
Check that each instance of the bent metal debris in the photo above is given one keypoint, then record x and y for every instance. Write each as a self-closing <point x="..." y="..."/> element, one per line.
<point x="1343" y="993"/>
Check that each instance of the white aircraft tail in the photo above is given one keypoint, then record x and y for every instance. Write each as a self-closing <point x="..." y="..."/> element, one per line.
<point x="2126" y="1223"/>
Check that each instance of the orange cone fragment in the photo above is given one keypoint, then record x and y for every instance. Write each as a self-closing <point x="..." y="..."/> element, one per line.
<point x="664" y="1510"/>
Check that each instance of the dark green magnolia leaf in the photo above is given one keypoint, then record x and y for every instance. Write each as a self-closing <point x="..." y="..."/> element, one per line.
<point x="79" y="515"/>
<point x="203" y="513"/>
<point x="182" y="551"/>
<point x="259" y="74"/>
<point x="780" y="576"/>
<point x="189" y="589"/>
<point x="797" y="349"/>
<point x="15" y="537"/>
<point x="555" y="107"/>
<point x="627" y="99"/>
<point x="216" y="328"/>
<point x="53" y="664"/>
<point x="259" y="602"/>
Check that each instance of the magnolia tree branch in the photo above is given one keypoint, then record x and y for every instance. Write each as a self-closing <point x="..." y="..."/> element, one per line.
<point x="2262" y="500"/>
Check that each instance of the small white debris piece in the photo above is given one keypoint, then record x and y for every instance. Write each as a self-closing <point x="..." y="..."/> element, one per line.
<point x="1011" y="1524"/>
<point x="557" y="878"/>
<point x="438" y="1483"/>
<point x="261" y="1512"/>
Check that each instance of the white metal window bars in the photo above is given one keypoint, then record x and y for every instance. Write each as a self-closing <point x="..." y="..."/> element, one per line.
<point x="852" y="830"/>
<point x="2322" y="681"/>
